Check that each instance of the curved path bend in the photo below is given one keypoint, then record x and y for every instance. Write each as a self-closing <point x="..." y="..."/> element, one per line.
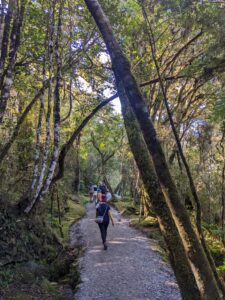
<point x="131" y="268"/>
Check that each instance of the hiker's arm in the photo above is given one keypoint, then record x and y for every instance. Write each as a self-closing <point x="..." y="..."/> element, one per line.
<point x="111" y="218"/>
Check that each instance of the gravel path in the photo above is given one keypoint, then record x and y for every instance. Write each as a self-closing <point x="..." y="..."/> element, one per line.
<point x="129" y="270"/>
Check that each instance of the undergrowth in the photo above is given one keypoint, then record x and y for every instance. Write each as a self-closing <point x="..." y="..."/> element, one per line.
<point x="35" y="252"/>
<point x="149" y="226"/>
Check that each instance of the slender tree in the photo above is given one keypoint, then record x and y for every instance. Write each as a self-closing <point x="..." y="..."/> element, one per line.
<point x="50" y="48"/>
<point x="7" y="80"/>
<point x="55" y="153"/>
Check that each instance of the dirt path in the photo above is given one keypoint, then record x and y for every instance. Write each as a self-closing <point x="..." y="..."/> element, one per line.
<point x="129" y="270"/>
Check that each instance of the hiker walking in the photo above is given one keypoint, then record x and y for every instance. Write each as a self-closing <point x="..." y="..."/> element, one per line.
<point x="103" y="216"/>
<point x="105" y="192"/>
<point x="95" y="192"/>
<point x="92" y="188"/>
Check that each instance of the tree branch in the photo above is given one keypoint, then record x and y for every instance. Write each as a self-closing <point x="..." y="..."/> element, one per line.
<point x="67" y="146"/>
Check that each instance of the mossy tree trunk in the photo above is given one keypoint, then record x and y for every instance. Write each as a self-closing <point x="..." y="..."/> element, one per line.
<point x="200" y="266"/>
<point x="178" y="257"/>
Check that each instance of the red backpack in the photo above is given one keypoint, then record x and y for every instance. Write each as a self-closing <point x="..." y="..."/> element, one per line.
<point x="104" y="198"/>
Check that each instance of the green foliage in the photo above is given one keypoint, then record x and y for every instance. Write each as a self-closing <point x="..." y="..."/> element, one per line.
<point x="213" y="236"/>
<point x="74" y="211"/>
<point x="149" y="222"/>
<point x="46" y="285"/>
<point x="126" y="207"/>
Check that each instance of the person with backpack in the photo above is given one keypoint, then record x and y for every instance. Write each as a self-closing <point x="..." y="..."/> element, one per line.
<point x="90" y="190"/>
<point x="94" y="197"/>
<point x="103" y="216"/>
<point x="105" y="191"/>
<point x="103" y="188"/>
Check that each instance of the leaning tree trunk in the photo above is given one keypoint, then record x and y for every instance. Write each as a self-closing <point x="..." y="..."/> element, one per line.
<point x="179" y="259"/>
<point x="200" y="266"/>
<point x="180" y="150"/>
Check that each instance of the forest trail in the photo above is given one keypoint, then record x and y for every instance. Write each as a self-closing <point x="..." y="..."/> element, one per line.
<point x="131" y="268"/>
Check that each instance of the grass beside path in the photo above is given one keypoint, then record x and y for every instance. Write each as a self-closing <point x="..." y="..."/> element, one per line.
<point x="148" y="225"/>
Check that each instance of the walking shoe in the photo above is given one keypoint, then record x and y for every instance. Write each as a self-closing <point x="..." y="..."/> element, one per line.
<point x="105" y="246"/>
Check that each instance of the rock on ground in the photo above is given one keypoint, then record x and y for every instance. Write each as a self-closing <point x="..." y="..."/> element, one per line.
<point x="129" y="269"/>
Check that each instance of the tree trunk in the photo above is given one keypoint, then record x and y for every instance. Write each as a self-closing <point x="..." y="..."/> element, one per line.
<point x="2" y="21"/>
<point x="223" y="200"/>
<point x="14" y="46"/>
<point x="200" y="266"/>
<point x="223" y="181"/>
<point x="178" y="257"/>
<point x="76" y="183"/>
<point x="38" y="131"/>
<point x="55" y="153"/>
<point x="38" y="144"/>
<point x="5" y="38"/>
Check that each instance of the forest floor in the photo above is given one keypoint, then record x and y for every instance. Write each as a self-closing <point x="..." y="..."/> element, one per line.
<point x="131" y="268"/>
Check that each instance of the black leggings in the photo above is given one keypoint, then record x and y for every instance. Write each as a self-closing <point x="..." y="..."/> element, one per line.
<point x="103" y="229"/>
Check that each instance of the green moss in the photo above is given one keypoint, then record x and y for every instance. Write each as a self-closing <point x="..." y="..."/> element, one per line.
<point x="221" y="271"/>
<point x="212" y="235"/>
<point x="73" y="213"/>
<point x="46" y="285"/>
<point x="149" y="222"/>
<point x="84" y="199"/>
<point x="126" y="207"/>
